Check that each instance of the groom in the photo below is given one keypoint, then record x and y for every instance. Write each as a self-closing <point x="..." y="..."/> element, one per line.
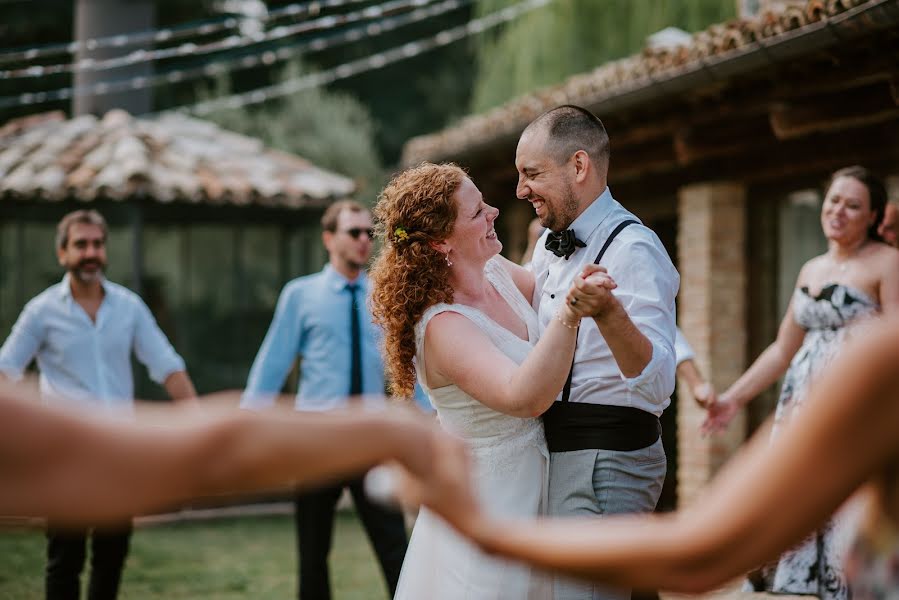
<point x="603" y="432"/>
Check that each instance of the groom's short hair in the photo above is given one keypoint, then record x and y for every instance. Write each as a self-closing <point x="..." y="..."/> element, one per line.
<point x="570" y="128"/>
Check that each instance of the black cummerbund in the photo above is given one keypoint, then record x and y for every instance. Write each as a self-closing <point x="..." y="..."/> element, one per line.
<point x="581" y="426"/>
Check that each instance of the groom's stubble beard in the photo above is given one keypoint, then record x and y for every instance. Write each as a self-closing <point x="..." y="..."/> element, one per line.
<point x="560" y="218"/>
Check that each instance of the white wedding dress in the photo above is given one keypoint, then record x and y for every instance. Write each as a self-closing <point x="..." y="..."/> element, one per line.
<point x="511" y="465"/>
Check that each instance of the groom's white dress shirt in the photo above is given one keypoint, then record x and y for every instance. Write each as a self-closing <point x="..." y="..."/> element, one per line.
<point x="647" y="286"/>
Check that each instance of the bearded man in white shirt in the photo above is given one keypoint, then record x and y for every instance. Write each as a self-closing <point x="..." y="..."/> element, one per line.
<point x="82" y="332"/>
<point x="603" y="432"/>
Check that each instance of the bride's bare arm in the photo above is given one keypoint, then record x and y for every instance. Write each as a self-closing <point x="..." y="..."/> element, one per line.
<point x="766" y="499"/>
<point x="457" y="351"/>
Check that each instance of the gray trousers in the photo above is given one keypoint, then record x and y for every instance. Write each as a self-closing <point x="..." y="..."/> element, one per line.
<point x="593" y="483"/>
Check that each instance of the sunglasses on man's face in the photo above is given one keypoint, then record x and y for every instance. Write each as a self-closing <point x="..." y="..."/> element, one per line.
<point x="355" y="232"/>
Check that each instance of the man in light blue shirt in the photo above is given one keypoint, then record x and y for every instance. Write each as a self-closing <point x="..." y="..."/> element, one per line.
<point x="324" y="320"/>
<point x="82" y="332"/>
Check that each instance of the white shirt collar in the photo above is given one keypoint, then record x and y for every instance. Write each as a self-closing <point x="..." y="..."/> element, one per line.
<point x="593" y="216"/>
<point x="65" y="291"/>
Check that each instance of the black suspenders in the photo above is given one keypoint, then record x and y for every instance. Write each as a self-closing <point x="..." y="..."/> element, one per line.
<point x="566" y="391"/>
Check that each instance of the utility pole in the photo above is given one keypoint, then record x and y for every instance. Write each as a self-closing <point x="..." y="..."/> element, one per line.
<point x="104" y="18"/>
<point x="100" y="19"/>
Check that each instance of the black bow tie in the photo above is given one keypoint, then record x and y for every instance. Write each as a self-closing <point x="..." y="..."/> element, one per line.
<point x="564" y="243"/>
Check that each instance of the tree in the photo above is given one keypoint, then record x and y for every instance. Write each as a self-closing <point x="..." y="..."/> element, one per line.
<point x="573" y="36"/>
<point x="331" y="129"/>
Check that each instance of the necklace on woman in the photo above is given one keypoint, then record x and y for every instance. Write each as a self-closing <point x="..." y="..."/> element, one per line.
<point x="843" y="264"/>
<point x="840" y="265"/>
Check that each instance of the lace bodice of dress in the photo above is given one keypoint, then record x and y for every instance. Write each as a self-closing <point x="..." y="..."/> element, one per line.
<point x="458" y="412"/>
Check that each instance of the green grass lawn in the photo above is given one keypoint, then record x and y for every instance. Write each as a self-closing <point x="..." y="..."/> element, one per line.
<point x="251" y="557"/>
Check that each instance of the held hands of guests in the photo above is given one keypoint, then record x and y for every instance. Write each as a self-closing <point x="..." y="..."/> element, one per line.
<point x="720" y="413"/>
<point x="705" y="395"/>
<point x="590" y="294"/>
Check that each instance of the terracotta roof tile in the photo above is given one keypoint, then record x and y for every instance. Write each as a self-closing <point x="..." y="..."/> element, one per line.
<point x="169" y="158"/>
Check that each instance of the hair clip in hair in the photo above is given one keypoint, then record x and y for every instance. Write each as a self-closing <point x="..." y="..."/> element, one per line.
<point x="401" y="234"/>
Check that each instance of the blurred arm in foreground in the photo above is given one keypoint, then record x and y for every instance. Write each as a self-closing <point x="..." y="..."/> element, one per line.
<point x="76" y="471"/>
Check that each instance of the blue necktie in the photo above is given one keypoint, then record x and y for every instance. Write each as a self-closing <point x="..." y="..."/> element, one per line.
<point x="356" y="344"/>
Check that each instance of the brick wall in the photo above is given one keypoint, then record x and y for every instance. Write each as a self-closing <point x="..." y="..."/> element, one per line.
<point x="712" y="315"/>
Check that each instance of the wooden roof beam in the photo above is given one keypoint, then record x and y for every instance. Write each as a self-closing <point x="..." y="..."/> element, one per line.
<point x="835" y="112"/>
<point x="764" y="158"/>
<point x="833" y="74"/>
<point x="821" y="153"/>
<point x="697" y="144"/>
<point x="635" y="161"/>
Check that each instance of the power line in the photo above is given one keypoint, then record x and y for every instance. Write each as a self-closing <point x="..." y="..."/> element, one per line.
<point x="370" y="63"/>
<point x="217" y="68"/>
<point x="168" y="34"/>
<point x="123" y="40"/>
<point x="232" y="42"/>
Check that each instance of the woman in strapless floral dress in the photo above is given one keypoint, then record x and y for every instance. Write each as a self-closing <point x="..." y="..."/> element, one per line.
<point x="857" y="278"/>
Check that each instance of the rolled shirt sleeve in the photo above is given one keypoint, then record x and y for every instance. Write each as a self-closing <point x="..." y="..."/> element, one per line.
<point x="647" y="286"/>
<point x="153" y="348"/>
<point x="682" y="349"/>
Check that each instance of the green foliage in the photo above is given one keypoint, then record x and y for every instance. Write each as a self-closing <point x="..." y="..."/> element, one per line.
<point x="574" y="36"/>
<point x="333" y="130"/>
<point x="413" y="96"/>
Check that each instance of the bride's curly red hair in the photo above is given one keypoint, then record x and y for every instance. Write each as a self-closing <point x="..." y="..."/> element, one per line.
<point x="414" y="210"/>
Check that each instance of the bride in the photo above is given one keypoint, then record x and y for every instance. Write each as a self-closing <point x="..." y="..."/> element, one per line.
<point x="450" y="305"/>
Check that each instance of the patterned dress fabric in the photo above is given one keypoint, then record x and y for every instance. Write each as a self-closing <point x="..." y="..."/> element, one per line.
<point x="815" y="566"/>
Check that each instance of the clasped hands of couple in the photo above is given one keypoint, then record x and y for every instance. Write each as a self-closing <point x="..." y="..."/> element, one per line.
<point x="590" y="295"/>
